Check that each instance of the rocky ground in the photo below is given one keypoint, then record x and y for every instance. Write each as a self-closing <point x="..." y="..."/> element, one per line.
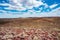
<point x="47" y="24"/>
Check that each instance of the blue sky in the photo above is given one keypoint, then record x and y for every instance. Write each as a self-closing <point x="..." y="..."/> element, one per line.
<point x="15" y="9"/>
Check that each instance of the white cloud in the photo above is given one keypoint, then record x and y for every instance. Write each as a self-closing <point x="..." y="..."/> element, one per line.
<point x="5" y="4"/>
<point x="54" y="5"/>
<point x="36" y="3"/>
<point x="28" y="4"/>
<point x="30" y="13"/>
<point x="54" y="13"/>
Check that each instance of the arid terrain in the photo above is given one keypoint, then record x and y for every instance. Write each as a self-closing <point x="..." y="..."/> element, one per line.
<point x="38" y="23"/>
<point x="31" y="22"/>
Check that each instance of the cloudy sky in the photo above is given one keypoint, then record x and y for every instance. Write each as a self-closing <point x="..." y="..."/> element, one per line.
<point x="29" y="8"/>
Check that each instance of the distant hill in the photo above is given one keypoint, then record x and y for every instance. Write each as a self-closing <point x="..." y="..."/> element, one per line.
<point x="31" y="22"/>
